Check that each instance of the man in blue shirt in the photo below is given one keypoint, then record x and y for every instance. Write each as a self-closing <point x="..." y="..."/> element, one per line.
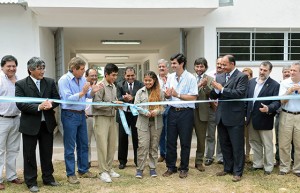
<point x="181" y="86"/>
<point x="74" y="87"/>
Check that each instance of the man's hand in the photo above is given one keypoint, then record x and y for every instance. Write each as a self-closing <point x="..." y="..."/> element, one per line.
<point x="46" y="105"/>
<point x="168" y="92"/>
<point x="264" y="109"/>
<point x="127" y="97"/>
<point x="216" y="85"/>
<point x="96" y="87"/>
<point x="203" y="82"/>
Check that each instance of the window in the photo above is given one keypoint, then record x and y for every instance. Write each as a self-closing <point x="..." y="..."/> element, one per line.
<point x="257" y="46"/>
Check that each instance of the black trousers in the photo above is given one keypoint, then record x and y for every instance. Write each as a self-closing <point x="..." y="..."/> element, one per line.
<point x="232" y="147"/>
<point x="180" y="124"/>
<point x="45" y="140"/>
<point x="123" y="139"/>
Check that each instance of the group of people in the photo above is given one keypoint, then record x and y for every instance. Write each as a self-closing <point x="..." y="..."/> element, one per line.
<point x="156" y="126"/>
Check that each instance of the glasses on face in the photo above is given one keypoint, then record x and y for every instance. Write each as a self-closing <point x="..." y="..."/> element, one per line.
<point x="93" y="76"/>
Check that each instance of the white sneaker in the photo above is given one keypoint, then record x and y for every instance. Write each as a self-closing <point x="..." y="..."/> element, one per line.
<point x="105" y="177"/>
<point x="114" y="174"/>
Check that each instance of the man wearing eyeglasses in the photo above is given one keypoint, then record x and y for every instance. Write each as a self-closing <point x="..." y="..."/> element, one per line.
<point x="37" y="123"/>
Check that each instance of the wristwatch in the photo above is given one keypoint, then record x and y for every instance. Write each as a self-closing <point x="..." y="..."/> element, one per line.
<point x="178" y="95"/>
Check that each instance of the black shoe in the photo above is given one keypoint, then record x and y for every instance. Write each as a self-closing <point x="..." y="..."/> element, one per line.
<point x="255" y="169"/>
<point x="282" y="173"/>
<point x="122" y="166"/>
<point x="297" y="174"/>
<point x="267" y="172"/>
<point x="220" y="162"/>
<point x="52" y="184"/>
<point x="208" y="162"/>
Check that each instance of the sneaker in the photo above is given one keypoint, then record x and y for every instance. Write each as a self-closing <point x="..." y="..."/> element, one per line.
<point x="73" y="180"/>
<point x="153" y="173"/>
<point x="87" y="174"/>
<point x="139" y="174"/>
<point x="114" y="174"/>
<point x="105" y="177"/>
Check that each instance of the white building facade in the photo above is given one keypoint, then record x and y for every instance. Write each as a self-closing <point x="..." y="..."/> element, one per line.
<point x="57" y="30"/>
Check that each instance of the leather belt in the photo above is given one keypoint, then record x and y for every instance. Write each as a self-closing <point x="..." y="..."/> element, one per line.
<point x="180" y="109"/>
<point x="9" y="116"/>
<point x="74" y="111"/>
<point x="294" y="113"/>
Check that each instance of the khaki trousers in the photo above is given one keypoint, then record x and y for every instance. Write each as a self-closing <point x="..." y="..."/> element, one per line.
<point x="90" y="131"/>
<point x="200" y="130"/>
<point x="261" y="142"/>
<point x="148" y="144"/>
<point x="289" y="130"/>
<point x="106" y="135"/>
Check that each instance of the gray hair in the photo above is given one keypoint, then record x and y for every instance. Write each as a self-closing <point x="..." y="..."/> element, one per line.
<point x="163" y="61"/>
<point x="34" y="63"/>
<point x="287" y="67"/>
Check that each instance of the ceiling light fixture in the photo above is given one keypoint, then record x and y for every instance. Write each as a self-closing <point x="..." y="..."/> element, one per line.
<point x="117" y="57"/>
<point x="121" y="42"/>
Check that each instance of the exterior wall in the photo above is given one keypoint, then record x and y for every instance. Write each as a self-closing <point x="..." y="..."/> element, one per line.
<point x="195" y="42"/>
<point x="47" y="51"/>
<point x="19" y="35"/>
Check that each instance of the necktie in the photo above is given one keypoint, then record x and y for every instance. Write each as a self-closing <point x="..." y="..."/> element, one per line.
<point x="199" y="78"/>
<point x="130" y="88"/>
<point x="227" y="77"/>
<point x="38" y="84"/>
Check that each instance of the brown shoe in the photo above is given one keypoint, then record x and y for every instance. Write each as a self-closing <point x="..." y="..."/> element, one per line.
<point x="87" y="175"/>
<point x="161" y="159"/>
<point x="17" y="181"/>
<point x="236" y="178"/>
<point x="183" y="174"/>
<point x="168" y="173"/>
<point x="222" y="173"/>
<point x="2" y="187"/>
<point x="200" y="167"/>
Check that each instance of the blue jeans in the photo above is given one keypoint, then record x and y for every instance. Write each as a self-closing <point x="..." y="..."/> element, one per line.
<point x="163" y="136"/>
<point x="75" y="134"/>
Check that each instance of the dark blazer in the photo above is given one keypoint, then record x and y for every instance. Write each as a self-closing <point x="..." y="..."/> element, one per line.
<point x="262" y="121"/>
<point x="30" y="121"/>
<point x="232" y="112"/>
<point x="122" y="89"/>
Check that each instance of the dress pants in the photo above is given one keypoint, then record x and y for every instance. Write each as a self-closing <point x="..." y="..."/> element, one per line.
<point x="90" y="131"/>
<point x="211" y="139"/>
<point x="232" y="146"/>
<point x="289" y="130"/>
<point x="45" y="140"/>
<point x="9" y="146"/>
<point x="163" y="136"/>
<point x="123" y="139"/>
<point x="200" y="130"/>
<point x="261" y="142"/>
<point x="180" y="124"/>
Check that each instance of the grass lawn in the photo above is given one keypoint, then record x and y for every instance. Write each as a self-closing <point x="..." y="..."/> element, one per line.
<point x="195" y="182"/>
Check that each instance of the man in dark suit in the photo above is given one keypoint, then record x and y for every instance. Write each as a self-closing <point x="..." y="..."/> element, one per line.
<point x="37" y="123"/>
<point x="126" y="91"/>
<point x="260" y="118"/>
<point x="230" y="116"/>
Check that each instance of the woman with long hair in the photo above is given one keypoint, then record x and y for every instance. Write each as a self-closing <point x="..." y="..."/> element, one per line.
<point x="149" y="124"/>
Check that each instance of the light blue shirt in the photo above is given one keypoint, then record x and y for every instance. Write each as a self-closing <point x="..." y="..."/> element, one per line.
<point x="69" y="90"/>
<point x="187" y="85"/>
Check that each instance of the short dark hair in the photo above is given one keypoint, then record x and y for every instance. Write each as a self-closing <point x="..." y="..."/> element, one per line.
<point x="180" y="59"/>
<point x="110" y="68"/>
<point x="87" y="72"/>
<point x="129" y="68"/>
<point x="231" y="58"/>
<point x="8" y="58"/>
<point x="202" y="61"/>
<point x="267" y="63"/>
